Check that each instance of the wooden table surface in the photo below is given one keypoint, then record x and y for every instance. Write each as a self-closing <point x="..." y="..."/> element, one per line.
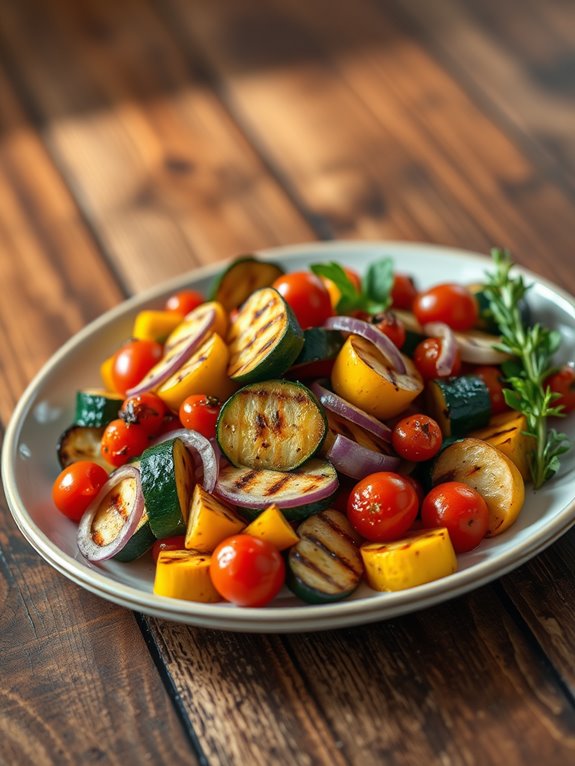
<point x="140" y="139"/>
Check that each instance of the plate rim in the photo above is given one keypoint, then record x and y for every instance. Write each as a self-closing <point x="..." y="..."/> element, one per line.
<point x="263" y="619"/>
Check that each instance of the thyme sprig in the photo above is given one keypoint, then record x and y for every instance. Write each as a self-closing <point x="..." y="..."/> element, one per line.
<point x="532" y="348"/>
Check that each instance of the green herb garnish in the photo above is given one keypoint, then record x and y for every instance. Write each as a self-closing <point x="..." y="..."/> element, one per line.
<point x="375" y="294"/>
<point x="533" y="348"/>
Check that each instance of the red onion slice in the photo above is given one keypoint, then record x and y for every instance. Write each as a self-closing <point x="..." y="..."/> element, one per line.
<point x="347" y="411"/>
<point x="357" y="462"/>
<point x="448" y="346"/>
<point x="262" y="485"/>
<point x="478" y="347"/>
<point x="86" y="544"/>
<point x="177" y="352"/>
<point x="371" y="333"/>
<point x="205" y="456"/>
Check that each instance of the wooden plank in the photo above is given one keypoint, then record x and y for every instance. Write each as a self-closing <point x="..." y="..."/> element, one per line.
<point x="412" y="155"/>
<point x="73" y="666"/>
<point x="518" y="58"/>
<point x="159" y="168"/>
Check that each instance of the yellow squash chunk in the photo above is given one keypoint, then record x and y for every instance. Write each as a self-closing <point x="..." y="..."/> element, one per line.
<point x="209" y="522"/>
<point x="155" y="325"/>
<point x="272" y="525"/>
<point x="106" y="375"/>
<point x="205" y="372"/>
<point x="507" y="432"/>
<point x="363" y="376"/>
<point x="490" y="472"/>
<point x="419" y="557"/>
<point x="186" y="575"/>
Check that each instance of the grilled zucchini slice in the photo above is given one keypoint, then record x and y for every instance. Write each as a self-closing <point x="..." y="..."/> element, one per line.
<point x="276" y="424"/>
<point x="241" y="278"/>
<point x="320" y="348"/>
<point x="96" y="407"/>
<point x="325" y="565"/>
<point x="167" y="476"/>
<point x="459" y="405"/>
<point x="81" y="443"/>
<point x="140" y="542"/>
<point x="265" y="338"/>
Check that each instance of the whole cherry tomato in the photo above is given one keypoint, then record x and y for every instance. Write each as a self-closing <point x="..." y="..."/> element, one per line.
<point x="392" y="326"/>
<point x="459" y="508"/>
<point x="184" y="301"/>
<point x="562" y="382"/>
<point x="307" y="297"/>
<point x="146" y="410"/>
<point x="174" y="543"/>
<point x="416" y="438"/>
<point x="199" y="412"/>
<point x="425" y="359"/>
<point x="403" y="292"/>
<point x="493" y="379"/>
<point x="247" y="570"/>
<point x="383" y="506"/>
<point x="122" y="441"/>
<point x="452" y="304"/>
<point x="132" y="361"/>
<point x="76" y="486"/>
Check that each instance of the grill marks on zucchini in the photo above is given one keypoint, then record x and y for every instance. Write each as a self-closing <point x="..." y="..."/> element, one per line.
<point x="243" y="277"/>
<point x="326" y="564"/>
<point x="265" y="338"/>
<point x="275" y="424"/>
<point x="81" y="443"/>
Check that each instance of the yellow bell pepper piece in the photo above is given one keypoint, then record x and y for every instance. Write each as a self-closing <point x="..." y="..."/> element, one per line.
<point x="185" y="575"/>
<point x="272" y="525"/>
<point x="205" y="372"/>
<point x="417" y="558"/>
<point x="155" y="325"/>
<point x="210" y="522"/>
<point x="363" y="376"/>
<point x="221" y="322"/>
<point x="506" y="431"/>
<point x="106" y="375"/>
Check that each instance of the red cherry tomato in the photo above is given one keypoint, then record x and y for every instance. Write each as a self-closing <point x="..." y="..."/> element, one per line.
<point x="563" y="383"/>
<point x="146" y="410"/>
<point x="199" y="412"/>
<point x="383" y="506"/>
<point x="452" y="304"/>
<point x="307" y="296"/>
<point x="416" y="438"/>
<point x="184" y="301"/>
<point x="122" y="441"/>
<point x="132" y="361"/>
<point x="175" y="543"/>
<point x="425" y="359"/>
<point x="493" y="379"/>
<point x="247" y="570"/>
<point x="76" y="486"/>
<point x="460" y="509"/>
<point x="403" y="292"/>
<point x="391" y="326"/>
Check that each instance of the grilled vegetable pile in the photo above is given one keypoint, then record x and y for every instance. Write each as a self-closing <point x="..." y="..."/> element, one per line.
<point x="314" y="430"/>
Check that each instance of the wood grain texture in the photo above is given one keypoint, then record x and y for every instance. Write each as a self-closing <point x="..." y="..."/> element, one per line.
<point x="157" y="165"/>
<point x="73" y="666"/>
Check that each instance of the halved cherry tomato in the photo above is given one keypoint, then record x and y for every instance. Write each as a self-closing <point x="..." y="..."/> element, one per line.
<point x="562" y="382"/>
<point x="199" y="412"/>
<point x="76" y="486"/>
<point x="460" y="509"/>
<point x="391" y="326"/>
<point x="383" y="506"/>
<point x="132" y="361"/>
<point x="146" y="410"/>
<point x="403" y="292"/>
<point x="425" y="359"/>
<point x="452" y="304"/>
<point x="184" y="301"/>
<point x="175" y="543"/>
<point x="307" y="296"/>
<point x="493" y="379"/>
<point x="247" y="570"/>
<point x="416" y="438"/>
<point x="122" y="441"/>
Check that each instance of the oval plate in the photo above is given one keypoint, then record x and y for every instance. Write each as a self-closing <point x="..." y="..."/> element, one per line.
<point x="29" y="463"/>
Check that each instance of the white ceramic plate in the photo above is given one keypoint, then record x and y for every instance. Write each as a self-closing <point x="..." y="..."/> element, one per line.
<point x="29" y="463"/>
